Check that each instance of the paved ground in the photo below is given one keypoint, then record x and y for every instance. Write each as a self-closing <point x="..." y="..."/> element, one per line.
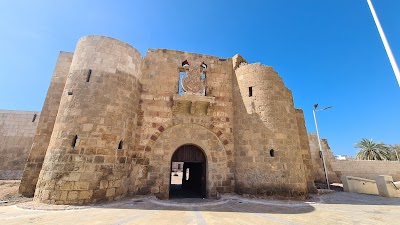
<point x="335" y="208"/>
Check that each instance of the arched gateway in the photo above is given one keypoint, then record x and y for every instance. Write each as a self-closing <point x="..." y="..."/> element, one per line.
<point x="188" y="173"/>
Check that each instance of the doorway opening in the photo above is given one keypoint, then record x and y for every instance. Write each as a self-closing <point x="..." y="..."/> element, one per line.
<point x="188" y="173"/>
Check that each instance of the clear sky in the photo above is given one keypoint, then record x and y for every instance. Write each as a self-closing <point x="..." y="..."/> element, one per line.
<point x="326" y="51"/>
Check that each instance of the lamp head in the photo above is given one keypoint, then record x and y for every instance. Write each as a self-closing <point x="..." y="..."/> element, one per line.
<point x="315" y="106"/>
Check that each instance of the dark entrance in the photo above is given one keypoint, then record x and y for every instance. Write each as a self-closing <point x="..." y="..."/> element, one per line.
<point x="188" y="173"/>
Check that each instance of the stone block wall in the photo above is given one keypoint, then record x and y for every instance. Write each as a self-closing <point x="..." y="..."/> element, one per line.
<point x="45" y="125"/>
<point x="337" y="169"/>
<point x="112" y="120"/>
<point x="268" y="150"/>
<point x="90" y="152"/>
<point x="318" y="167"/>
<point x="167" y="120"/>
<point x="368" y="169"/>
<point x="17" y="129"/>
<point x="305" y="149"/>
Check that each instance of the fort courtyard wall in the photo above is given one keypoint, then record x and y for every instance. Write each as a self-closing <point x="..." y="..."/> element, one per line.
<point x="113" y="119"/>
<point x="368" y="169"/>
<point x="318" y="168"/>
<point x="17" y="129"/>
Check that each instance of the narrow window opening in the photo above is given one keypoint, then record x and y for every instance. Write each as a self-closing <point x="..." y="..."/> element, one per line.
<point x="88" y="76"/>
<point x="272" y="153"/>
<point x="34" y="117"/>
<point x="120" y="144"/>
<point x="70" y="93"/>
<point x="320" y="154"/>
<point x="203" y="77"/>
<point x="250" y="91"/>
<point x="74" y="141"/>
<point x="180" y="88"/>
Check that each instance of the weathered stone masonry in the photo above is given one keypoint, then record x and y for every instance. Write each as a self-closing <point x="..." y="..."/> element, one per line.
<point x="17" y="129"/>
<point x="112" y="120"/>
<point x="45" y="125"/>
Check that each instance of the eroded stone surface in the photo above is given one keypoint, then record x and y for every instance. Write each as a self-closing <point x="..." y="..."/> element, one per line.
<point x="112" y="120"/>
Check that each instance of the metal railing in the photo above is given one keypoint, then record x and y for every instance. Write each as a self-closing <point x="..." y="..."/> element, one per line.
<point x="394" y="185"/>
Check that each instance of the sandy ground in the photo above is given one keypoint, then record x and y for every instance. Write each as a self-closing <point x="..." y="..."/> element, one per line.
<point x="9" y="193"/>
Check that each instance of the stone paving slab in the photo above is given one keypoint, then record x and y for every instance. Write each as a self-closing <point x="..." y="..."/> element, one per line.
<point x="335" y="208"/>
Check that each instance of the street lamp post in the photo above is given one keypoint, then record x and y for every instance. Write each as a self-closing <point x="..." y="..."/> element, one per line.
<point x="385" y="42"/>
<point x="319" y="142"/>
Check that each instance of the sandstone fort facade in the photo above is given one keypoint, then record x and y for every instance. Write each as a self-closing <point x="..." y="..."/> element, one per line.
<point x="114" y="121"/>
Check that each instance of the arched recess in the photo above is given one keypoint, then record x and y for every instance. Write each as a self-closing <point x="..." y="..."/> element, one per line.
<point x="219" y="174"/>
<point x="188" y="173"/>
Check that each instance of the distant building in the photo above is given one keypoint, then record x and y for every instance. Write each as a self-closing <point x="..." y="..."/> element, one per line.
<point x="344" y="157"/>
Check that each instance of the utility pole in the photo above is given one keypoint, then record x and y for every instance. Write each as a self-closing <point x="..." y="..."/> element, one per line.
<point x="385" y="43"/>
<point x="319" y="142"/>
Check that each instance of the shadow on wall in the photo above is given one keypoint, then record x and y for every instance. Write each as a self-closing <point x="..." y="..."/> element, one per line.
<point x="268" y="160"/>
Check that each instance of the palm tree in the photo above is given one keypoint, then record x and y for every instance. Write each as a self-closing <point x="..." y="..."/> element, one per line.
<point x="394" y="152"/>
<point x="370" y="150"/>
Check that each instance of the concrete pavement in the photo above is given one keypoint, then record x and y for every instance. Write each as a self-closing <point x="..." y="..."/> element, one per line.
<point x="335" y="208"/>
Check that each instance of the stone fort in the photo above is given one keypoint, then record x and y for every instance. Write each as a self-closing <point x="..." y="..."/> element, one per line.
<point x="114" y="122"/>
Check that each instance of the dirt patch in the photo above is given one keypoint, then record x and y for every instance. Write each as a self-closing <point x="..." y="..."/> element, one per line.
<point x="9" y="193"/>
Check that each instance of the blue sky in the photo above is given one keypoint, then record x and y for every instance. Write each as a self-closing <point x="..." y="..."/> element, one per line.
<point x="328" y="52"/>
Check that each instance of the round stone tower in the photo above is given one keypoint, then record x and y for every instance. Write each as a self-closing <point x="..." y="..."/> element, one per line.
<point x="267" y="147"/>
<point x="88" y="158"/>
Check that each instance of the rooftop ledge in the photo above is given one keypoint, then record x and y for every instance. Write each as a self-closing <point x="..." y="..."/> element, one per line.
<point x="193" y="98"/>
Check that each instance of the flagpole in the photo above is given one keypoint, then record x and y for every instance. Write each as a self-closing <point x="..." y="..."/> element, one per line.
<point x="385" y="43"/>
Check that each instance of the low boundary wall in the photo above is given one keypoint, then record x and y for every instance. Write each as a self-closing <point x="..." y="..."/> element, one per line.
<point x="381" y="185"/>
<point x="367" y="169"/>
<point x="361" y="185"/>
